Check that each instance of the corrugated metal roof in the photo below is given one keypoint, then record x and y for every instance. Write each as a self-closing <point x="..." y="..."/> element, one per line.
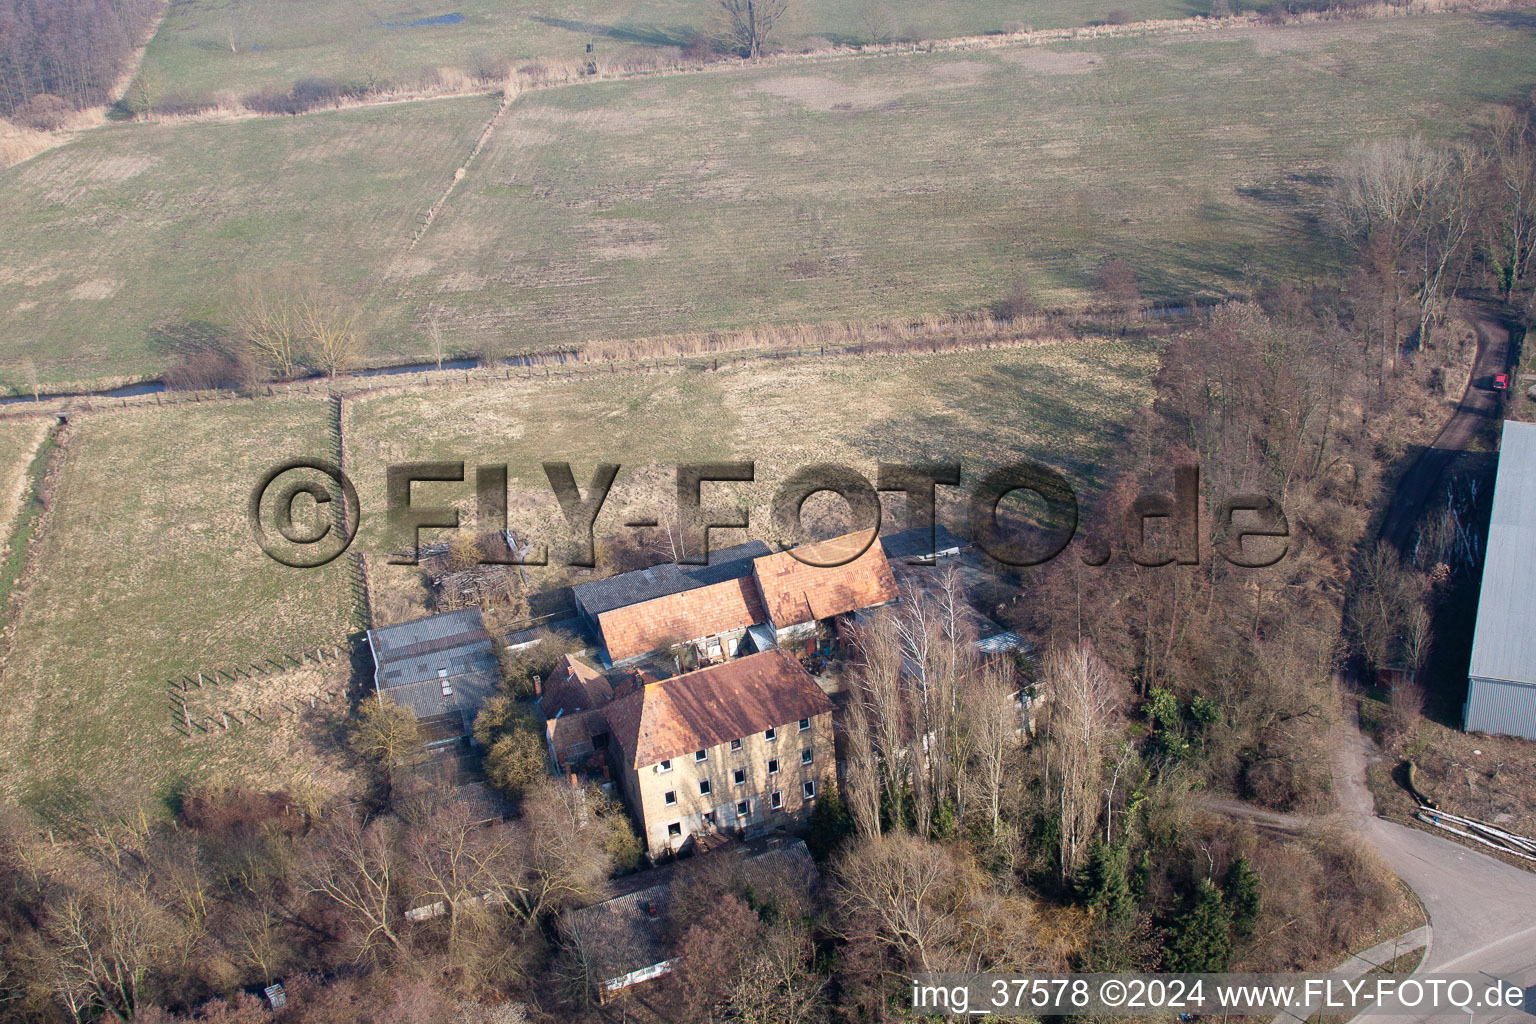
<point x="414" y="660"/>
<point x="626" y="933"/>
<point x="424" y="636"/>
<point x="1005" y="641"/>
<point x="668" y="578"/>
<point x="1504" y="645"/>
<point x="917" y="543"/>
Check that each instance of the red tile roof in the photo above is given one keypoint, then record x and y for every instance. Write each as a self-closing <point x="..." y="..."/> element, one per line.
<point x="640" y="628"/>
<point x="574" y="686"/>
<point x="702" y="709"/>
<point x="794" y="592"/>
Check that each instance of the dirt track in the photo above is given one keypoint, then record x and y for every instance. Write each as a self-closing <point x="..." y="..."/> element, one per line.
<point x="1479" y="404"/>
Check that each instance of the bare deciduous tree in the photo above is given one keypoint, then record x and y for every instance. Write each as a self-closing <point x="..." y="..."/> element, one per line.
<point x="438" y="342"/>
<point x="992" y="723"/>
<point x="877" y="22"/>
<point x="1383" y="602"/>
<point x="863" y="771"/>
<point x="1509" y="228"/>
<point x="752" y="22"/>
<point x="266" y="319"/>
<point x="907" y="892"/>
<point x="105" y="937"/>
<point x="291" y="321"/>
<point x="570" y="840"/>
<point x="353" y="865"/>
<point x="1405" y="204"/>
<point x="329" y="322"/>
<point x="1080" y="705"/>
<point x="386" y="734"/>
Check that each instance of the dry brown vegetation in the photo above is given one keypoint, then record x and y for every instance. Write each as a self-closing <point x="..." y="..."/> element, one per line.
<point x="1491" y="778"/>
<point x="18" y="143"/>
<point x="129" y="914"/>
<point x="19" y="440"/>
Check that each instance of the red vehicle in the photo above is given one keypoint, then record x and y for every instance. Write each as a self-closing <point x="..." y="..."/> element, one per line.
<point x="1500" y="381"/>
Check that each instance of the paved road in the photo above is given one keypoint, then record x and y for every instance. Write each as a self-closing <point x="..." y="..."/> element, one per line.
<point x="1361" y="963"/>
<point x="1479" y="403"/>
<point x="1482" y="911"/>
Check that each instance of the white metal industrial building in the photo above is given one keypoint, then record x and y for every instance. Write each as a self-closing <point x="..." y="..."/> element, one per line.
<point x="1501" y="689"/>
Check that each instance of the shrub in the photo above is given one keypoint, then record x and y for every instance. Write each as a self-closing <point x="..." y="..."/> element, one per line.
<point x="309" y="93"/>
<point x="1116" y="282"/>
<point x="1118" y="16"/>
<point x="268" y="101"/>
<point x="700" y="49"/>
<point x="200" y="371"/>
<point x="1018" y="303"/>
<point x="44" y="112"/>
<point x="182" y="104"/>
<point x="521" y="668"/>
<point x="306" y="94"/>
<point x="515" y="762"/>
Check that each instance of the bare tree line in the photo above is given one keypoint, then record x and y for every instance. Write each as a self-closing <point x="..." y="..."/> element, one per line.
<point x="131" y="916"/>
<point x="930" y="727"/>
<point x="58" y="56"/>
<point x="1420" y="216"/>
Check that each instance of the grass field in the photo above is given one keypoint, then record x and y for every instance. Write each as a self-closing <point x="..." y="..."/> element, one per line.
<point x="923" y="183"/>
<point x="843" y="188"/>
<point x="1062" y="403"/>
<point x="146" y="569"/>
<point x="23" y="461"/>
<point x="18" y="441"/>
<point x="118" y="241"/>
<point x="209" y="46"/>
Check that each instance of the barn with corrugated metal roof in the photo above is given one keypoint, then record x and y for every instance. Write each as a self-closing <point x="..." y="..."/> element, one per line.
<point x="1501" y="687"/>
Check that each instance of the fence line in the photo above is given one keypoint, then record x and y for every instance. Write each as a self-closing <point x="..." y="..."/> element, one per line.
<point x="179" y="688"/>
<point x="567" y="365"/>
